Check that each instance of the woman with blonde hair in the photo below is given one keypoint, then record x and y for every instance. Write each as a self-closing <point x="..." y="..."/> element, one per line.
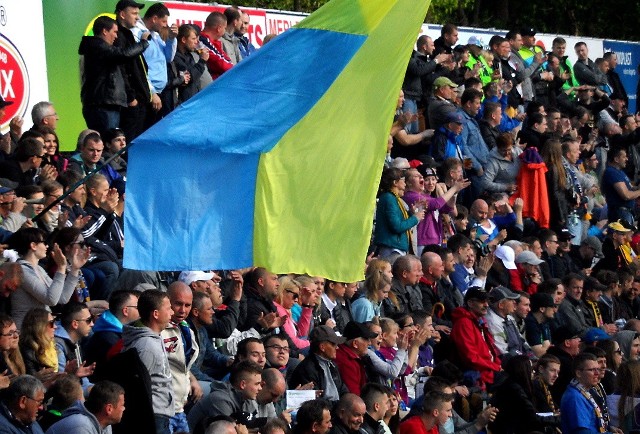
<point x="11" y="361"/>
<point x="289" y="293"/>
<point x="379" y="271"/>
<point x="377" y="287"/>
<point x="36" y="341"/>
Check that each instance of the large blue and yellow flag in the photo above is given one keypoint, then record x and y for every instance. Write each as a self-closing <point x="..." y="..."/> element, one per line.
<point x="277" y="163"/>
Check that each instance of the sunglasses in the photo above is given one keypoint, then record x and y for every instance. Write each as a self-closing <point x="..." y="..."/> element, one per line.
<point x="294" y="294"/>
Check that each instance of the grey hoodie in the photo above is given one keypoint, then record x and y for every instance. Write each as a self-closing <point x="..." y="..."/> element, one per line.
<point x="151" y="351"/>
<point x="624" y="339"/>
<point x="77" y="420"/>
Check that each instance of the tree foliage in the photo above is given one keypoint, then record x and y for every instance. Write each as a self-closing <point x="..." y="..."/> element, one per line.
<point x="611" y="19"/>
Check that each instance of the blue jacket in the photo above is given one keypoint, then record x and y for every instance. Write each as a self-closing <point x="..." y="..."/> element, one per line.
<point x="106" y="332"/>
<point x="391" y="226"/>
<point x="474" y="144"/>
<point x="245" y="46"/>
<point x="78" y="420"/>
<point x="208" y="355"/>
<point x="9" y="425"/>
<point x="446" y="144"/>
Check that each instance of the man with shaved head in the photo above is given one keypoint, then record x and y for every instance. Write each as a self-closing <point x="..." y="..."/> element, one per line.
<point x="432" y="270"/>
<point x="182" y="350"/>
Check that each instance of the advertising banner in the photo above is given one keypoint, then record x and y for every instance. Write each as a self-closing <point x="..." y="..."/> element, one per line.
<point x="23" y="69"/>
<point x="628" y="54"/>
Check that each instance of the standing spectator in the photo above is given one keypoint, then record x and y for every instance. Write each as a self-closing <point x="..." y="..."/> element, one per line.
<point x="104" y="87"/>
<point x="538" y="333"/>
<point x="184" y="61"/>
<point x="614" y="79"/>
<point x="585" y="69"/>
<point x="244" y="44"/>
<point x="393" y="232"/>
<point x="144" y="336"/>
<point x="502" y="170"/>
<point x="230" y="42"/>
<point x="214" y="28"/>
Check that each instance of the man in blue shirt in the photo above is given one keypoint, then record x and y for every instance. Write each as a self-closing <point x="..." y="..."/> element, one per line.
<point x="617" y="188"/>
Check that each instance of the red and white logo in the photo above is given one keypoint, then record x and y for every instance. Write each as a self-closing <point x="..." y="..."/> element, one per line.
<point x="14" y="81"/>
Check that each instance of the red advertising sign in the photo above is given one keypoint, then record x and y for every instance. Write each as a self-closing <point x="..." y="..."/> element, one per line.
<point x="14" y="80"/>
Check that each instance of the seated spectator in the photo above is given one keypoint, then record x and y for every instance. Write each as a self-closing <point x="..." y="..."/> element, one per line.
<point x="617" y="254"/>
<point x="580" y="412"/>
<point x="376" y="401"/>
<point x="537" y="331"/>
<point x="38" y="289"/>
<point x="104" y="407"/>
<point x="11" y="208"/>
<point x="513" y="397"/>
<point x="262" y="289"/>
<point x="336" y="309"/>
<point x="383" y="371"/>
<point x="318" y="367"/>
<point x="503" y="166"/>
<point x="501" y="323"/>
<point x="629" y="342"/>
<point x="474" y="344"/>
<point x="491" y="118"/>
<point x="440" y="105"/>
<point x="114" y="141"/>
<point x="64" y="393"/>
<point x="376" y="289"/>
<point x="528" y="267"/>
<point x="436" y="410"/>
<point x="404" y="296"/>
<point x="75" y="324"/>
<point x="534" y="135"/>
<point x="547" y="370"/>
<point x="23" y="168"/>
<point x="313" y="417"/>
<point x="349" y="416"/>
<point x="566" y="346"/>
<point x="11" y="362"/>
<point x="350" y="355"/>
<point x="229" y="398"/>
<point x="107" y="330"/>
<point x="277" y="353"/>
<point x="51" y="148"/>
<point x="289" y="293"/>
<point x="486" y="229"/>
<point x="20" y="405"/>
<point x="90" y="158"/>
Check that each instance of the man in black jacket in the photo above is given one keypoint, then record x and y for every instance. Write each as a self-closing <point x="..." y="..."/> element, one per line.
<point x="350" y="415"/>
<point x="377" y="402"/>
<point x="104" y="86"/>
<point x="318" y="368"/>
<point x="135" y="68"/>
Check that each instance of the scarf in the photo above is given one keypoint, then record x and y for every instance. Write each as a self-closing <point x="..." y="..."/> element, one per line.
<point x="50" y="357"/>
<point x="596" y="312"/>
<point x="600" y="418"/>
<point x="547" y="394"/>
<point x="405" y="215"/>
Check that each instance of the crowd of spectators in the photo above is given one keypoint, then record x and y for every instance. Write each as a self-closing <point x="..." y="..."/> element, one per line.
<point x="501" y="292"/>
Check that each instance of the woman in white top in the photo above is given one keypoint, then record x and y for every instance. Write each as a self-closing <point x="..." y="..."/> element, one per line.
<point x="38" y="289"/>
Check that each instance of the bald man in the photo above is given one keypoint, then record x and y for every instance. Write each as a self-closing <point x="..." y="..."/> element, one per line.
<point x="269" y="402"/>
<point x="182" y="350"/>
<point x="432" y="271"/>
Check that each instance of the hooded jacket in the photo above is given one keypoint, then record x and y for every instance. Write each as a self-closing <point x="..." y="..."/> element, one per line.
<point x="78" y="420"/>
<point x="106" y="332"/>
<point x="152" y="354"/>
<point x="624" y="339"/>
<point x="474" y="343"/>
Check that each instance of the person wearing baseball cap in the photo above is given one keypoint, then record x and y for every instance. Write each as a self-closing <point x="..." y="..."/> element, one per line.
<point x="502" y="324"/>
<point x="446" y="140"/>
<point x="536" y="324"/>
<point x="441" y="103"/>
<point x="616" y="252"/>
<point x="350" y="354"/>
<point x="566" y="346"/>
<point x="318" y="367"/>
<point x="583" y="255"/>
<point x="471" y="337"/>
<point x="528" y="265"/>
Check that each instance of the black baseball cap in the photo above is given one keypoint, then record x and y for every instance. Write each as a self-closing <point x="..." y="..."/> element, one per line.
<point x="123" y="4"/>
<point x="355" y="330"/>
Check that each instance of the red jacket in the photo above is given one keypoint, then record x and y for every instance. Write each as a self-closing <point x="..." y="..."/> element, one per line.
<point x="219" y="62"/>
<point x="414" y="425"/>
<point x="474" y="343"/>
<point x="351" y="369"/>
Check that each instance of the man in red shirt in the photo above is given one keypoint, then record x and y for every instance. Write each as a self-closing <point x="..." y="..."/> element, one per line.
<point x="437" y="408"/>
<point x="349" y="355"/>
<point x="214" y="27"/>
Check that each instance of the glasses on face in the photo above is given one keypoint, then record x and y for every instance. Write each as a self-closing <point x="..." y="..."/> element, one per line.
<point x="82" y="244"/>
<point x="619" y="351"/>
<point x="52" y="323"/>
<point x="40" y="402"/>
<point x="295" y="295"/>
<point x="132" y="307"/>
<point x="52" y="114"/>
<point x="279" y="349"/>
<point x="11" y="333"/>
<point x="87" y="320"/>
<point x="592" y="370"/>
<point x="408" y="325"/>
